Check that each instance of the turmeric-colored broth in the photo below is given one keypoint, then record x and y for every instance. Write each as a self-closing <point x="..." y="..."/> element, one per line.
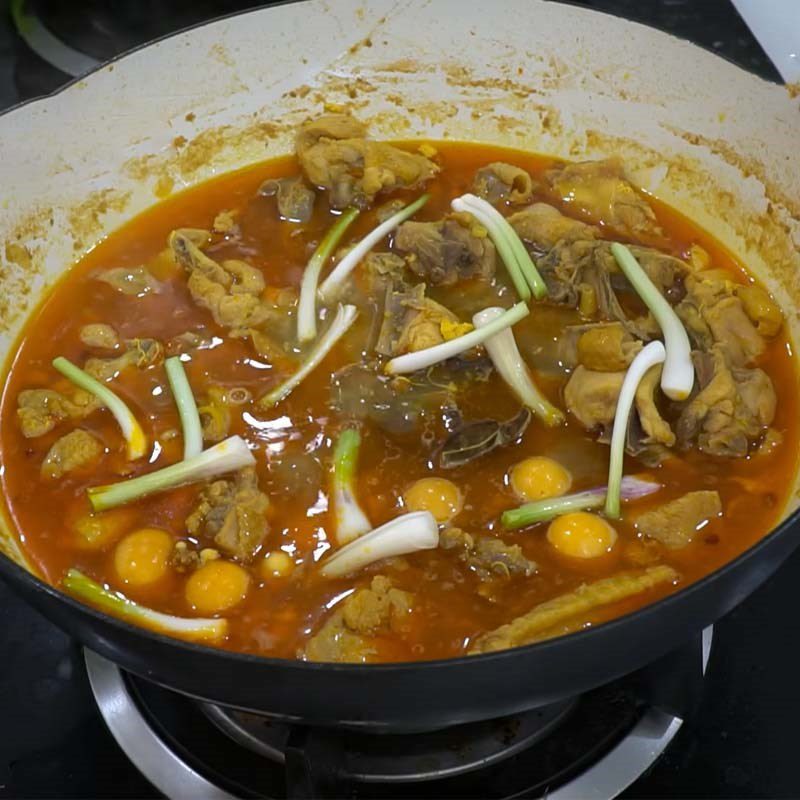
<point x="451" y="606"/>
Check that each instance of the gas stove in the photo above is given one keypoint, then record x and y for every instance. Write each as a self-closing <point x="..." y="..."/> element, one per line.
<point x="594" y="745"/>
<point x="708" y="720"/>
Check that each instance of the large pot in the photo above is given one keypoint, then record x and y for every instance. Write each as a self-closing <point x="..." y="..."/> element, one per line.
<point x="697" y="132"/>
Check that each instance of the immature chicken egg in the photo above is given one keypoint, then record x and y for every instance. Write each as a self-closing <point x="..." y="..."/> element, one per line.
<point x="277" y="565"/>
<point x="581" y="535"/>
<point x="217" y="586"/>
<point x="437" y="495"/>
<point x="539" y="477"/>
<point x="142" y="557"/>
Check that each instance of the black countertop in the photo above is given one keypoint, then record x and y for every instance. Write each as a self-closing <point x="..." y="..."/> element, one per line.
<point x="740" y="744"/>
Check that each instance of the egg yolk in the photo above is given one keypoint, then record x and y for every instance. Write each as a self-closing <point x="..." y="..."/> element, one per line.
<point x="539" y="477"/>
<point x="217" y="586"/>
<point x="581" y="535"/>
<point x="142" y="557"/>
<point x="437" y="495"/>
<point x="277" y="565"/>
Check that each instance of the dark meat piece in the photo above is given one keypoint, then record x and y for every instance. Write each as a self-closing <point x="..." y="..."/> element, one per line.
<point x="488" y="556"/>
<point x="600" y="191"/>
<point x="346" y="636"/>
<point x="295" y="199"/>
<point x="75" y="450"/>
<point x="732" y="407"/>
<point x="233" y="513"/>
<point x="500" y="181"/>
<point x="445" y="252"/>
<point x="675" y="523"/>
<point x="336" y="156"/>
<point x="40" y="410"/>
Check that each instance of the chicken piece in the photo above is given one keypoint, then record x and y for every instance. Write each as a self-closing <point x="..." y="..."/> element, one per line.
<point x="231" y="291"/>
<point x="346" y="636"/>
<point x="40" y="410"/>
<point x="99" y="335"/>
<point x="445" y="252"/>
<point x="724" y="315"/>
<point x="535" y="624"/>
<point x="600" y="191"/>
<point x="335" y="155"/>
<point x="186" y="245"/>
<point x="134" y="281"/>
<point x="225" y="223"/>
<point x="488" y="556"/>
<point x="732" y="407"/>
<point x="500" y="181"/>
<point x="295" y="199"/>
<point x="234" y="514"/>
<point x="675" y="523"/>
<point x="761" y="309"/>
<point x="585" y="270"/>
<point x="412" y="322"/>
<point x="75" y="450"/>
<point x="655" y="427"/>
<point x="382" y="271"/>
<point x="591" y="397"/>
<point x="141" y="353"/>
<point x="544" y="226"/>
<point x="602" y="347"/>
<point x="389" y="209"/>
<point x="215" y="415"/>
<point x="187" y="341"/>
<point x="185" y="558"/>
<point x="698" y="331"/>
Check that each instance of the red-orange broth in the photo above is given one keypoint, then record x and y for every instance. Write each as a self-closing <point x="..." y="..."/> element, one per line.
<point x="451" y="605"/>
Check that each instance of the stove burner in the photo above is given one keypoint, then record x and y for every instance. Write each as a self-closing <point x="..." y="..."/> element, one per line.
<point x="403" y="758"/>
<point x="593" y="746"/>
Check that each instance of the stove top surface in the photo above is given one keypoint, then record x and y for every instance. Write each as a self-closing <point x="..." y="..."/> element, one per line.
<point x="740" y="741"/>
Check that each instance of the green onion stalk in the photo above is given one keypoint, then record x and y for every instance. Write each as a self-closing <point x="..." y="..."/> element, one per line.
<point x="307" y="307"/>
<point x="228" y="456"/>
<point x="187" y="408"/>
<point x="422" y="359"/>
<point x="332" y="284"/>
<point x="131" y="429"/>
<point x="196" y="629"/>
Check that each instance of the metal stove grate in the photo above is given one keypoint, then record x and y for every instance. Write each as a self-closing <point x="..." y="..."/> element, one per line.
<point x="594" y="746"/>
